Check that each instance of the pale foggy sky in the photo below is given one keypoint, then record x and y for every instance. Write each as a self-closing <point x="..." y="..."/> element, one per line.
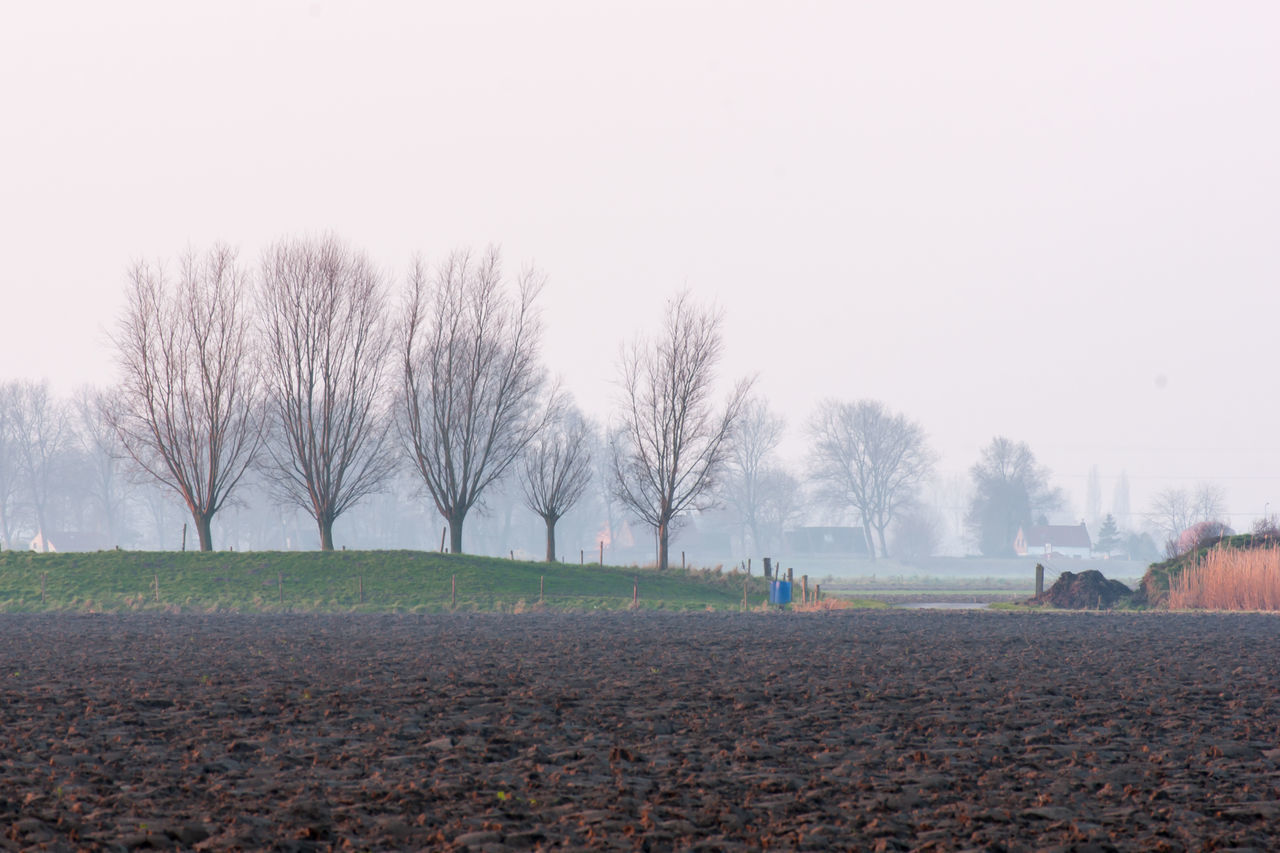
<point x="1056" y="222"/>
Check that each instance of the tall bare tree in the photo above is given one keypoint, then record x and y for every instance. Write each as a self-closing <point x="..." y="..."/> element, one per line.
<point x="325" y="342"/>
<point x="189" y="413"/>
<point x="869" y="459"/>
<point x="474" y="391"/>
<point x="557" y="470"/>
<point x="672" y="443"/>
<point x="42" y="435"/>
<point x="745" y="492"/>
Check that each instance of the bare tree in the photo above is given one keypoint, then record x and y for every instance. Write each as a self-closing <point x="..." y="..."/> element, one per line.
<point x="1175" y="511"/>
<point x="557" y="470"/>
<point x="756" y="435"/>
<point x="325" y="342"/>
<point x="42" y="434"/>
<point x="672" y="444"/>
<point x="473" y="387"/>
<point x="104" y="456"/>
<point x="1172" y="511"/>
<point x="189" y="413"/>
<point x="869" y="459"/>
<point x="781" y="503"/>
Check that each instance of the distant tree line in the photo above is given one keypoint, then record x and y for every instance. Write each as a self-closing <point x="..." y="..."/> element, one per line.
<point x="302" y="387"/>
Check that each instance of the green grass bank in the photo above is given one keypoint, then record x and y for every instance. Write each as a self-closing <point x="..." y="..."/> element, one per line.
<point x="348" y="581"/>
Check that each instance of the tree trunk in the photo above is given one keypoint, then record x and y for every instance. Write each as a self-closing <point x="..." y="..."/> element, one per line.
<point x="551" y="537"/>
<point x="455" y="531"/>
<point x="204" y="524"/>
<point x="664" y="536"/>
<point x="884" y="549"/>
<point x="871" y="542"/>
<point x="326" y="533"/>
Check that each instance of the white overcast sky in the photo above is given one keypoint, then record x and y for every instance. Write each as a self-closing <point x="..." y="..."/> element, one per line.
<point x="1053" y="221"/>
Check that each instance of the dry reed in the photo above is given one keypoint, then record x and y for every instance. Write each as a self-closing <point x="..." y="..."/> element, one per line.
<point x="1229" y="579"/>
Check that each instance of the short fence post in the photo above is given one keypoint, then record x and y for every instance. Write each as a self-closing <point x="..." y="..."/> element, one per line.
<point x="804" y="587"/>
<point x="582" y="557"/>
<point x="817" y="593"/>
<point x="157" y="587"/>
<point x="748" y="567"/>
<point x="682" y="559"/>
<point x="768" y="568"/>
<point x="184" y="536"/>
<point x="791" y="578"/>
<point x="1039" y="580"/>
<point x="443" y="531"/>
<point x="602" y="552"/>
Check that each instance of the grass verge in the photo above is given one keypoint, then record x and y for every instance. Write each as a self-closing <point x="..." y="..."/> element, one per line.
<point x="349" y="581"/>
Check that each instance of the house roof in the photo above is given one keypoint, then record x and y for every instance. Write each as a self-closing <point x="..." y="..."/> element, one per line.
<point x="1059" y="536"/>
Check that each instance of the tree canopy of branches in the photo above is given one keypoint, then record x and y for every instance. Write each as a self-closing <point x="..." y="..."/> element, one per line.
<point x="1010" y="489"/>
<point x="750" y="478"/>
<point x="8" y="463"/>
<point x="866" y="458"/>
<point x="672" y="443"/>
<point x="557" y="470"/>
<point x="325" y="342"/>
<point x="473" y="386"/>
<point x="189" y="413"/>
<point x="1175" y="510"/>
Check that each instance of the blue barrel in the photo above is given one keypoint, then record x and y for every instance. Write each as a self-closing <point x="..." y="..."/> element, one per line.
<point x="779" y="592"/>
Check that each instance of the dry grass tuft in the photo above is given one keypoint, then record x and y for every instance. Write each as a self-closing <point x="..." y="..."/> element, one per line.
<point x="821" y="606"/>
<point x="1229" y="579"/>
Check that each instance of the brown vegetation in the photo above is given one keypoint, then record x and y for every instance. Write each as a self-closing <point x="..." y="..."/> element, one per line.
<point x="1229" y="579"/>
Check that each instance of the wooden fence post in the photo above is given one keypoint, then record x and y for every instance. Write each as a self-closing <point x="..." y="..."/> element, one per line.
<point x="157" y="587"/>
<point x="1039" y="580"/>
<point x="602" y="552"/>
<point x="184" y="536"/>
<point x="443" y="530"/>
<point x="768" y="568"/>
<point x="804" y="588"/>
<point x="682" y="560"/>
<point x="635" y="592"/>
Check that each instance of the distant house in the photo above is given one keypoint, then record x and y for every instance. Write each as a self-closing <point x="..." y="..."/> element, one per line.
<point x="1053" y="540"/>
<point x="842" y="541"/>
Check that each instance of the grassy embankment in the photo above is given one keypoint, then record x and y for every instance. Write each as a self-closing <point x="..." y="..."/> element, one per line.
<point x="1232" y="573"/>
<point x="312" y="581"/>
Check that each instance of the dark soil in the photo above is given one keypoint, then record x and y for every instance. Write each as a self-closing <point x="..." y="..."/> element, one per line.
<point x="856" y="730"/>
<point x="1087" y="590"/>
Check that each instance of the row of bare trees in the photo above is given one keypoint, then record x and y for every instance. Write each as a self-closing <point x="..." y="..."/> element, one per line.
<point x="302" y="373"/>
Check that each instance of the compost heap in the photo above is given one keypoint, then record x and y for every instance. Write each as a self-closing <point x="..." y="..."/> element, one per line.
<point x="1088" y="590"/>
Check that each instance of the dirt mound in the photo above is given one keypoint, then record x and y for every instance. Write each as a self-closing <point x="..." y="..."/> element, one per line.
<point x="1088" y="590"/>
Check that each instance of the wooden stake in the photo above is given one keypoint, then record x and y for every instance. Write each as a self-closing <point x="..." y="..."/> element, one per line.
<point x="184" y="536"/>
<point x="804" y="588"/>
<point x="43" y="577"/>
<point x="635" y="592"/>
<point x="602" y="552"/>
<point x="682" y="559"/>
<point x="582" y="556"/>
<point x="443" y="531"/>
<point x="157" y="587"/>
